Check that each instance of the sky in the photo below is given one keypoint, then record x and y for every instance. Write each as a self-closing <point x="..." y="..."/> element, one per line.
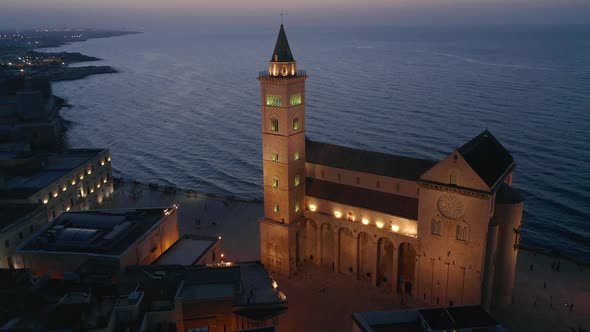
<point x="146" y="14"/>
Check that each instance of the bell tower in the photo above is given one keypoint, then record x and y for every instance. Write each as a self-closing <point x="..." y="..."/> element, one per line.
<point x="283" y="158"/>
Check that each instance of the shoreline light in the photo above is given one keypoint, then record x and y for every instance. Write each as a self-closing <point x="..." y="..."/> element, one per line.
<point x="379" y="224"/>
<point x="395" y="228"/>
<point x="365" y="221"/>
<point x="337" y="214"/>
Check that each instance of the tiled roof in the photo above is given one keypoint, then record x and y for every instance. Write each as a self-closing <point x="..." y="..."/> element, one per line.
<point x="401" y="206"/>
<point x="488" y="158"/>
<point x="378" y="163"/>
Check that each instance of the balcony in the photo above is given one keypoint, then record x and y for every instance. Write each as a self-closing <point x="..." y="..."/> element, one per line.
<point x="266" y="74"/>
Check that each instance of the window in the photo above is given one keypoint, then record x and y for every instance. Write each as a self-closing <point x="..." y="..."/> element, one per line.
<point x="295" y="99"/>
<point x="297" y="206"/>
<point x="273" y="100"/>
<point x="274" y="124"/>
<point x="297" y="181"/>
<point x="296" y="156"/>
<point x="350" y="216"/>
<point x="436" y="227"/>
<point x="275" y="183"/>
<point x="276" y="208"/>
<point x="296" y="124"/>
<point x="462" y="232"/>
<point x="275" y="157"/>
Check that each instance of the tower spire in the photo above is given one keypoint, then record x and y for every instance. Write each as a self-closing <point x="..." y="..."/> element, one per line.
<point x="282" y="52"/>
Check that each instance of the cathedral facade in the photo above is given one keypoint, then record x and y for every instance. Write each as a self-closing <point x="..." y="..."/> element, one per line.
<point x="444" y="232"/>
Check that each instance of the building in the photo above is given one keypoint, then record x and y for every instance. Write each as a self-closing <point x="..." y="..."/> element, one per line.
<point x="114" y="239"/>
<point x="144" y="298"/>
<point x="192" y="250"/>
<point x="446" y="232"/>
<point x="17" y="223"/>
<point x="29" y="113"/>
<point x="464" y="319"/>
<point x="78" y="179"/>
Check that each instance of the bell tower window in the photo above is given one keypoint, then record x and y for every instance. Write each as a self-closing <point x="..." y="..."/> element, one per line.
<point x="295" y="99"/>
<point x="297" y="180"/>
<point x="273" y="100"/>
<point x="274" y="124"/>
<point x="296" y="156"/>
<point x="296" y="124"/>
<point x="275" y="183"/>
<point x="436" y="227"/>
<point x="275" y="157"/>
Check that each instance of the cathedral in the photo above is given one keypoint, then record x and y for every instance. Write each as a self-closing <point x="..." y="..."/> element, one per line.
<point x="444" y="232"/>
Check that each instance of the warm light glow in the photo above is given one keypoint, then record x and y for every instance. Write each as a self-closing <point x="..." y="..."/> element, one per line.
<point x="68" y="208"/>
<point x="219" y="237"/>
<point x="395" y="228"/>
<point x="91" y="190"/>
<point x="337" y="214"/>
<point x="222" y="255"/>
<point x="73" y="182"/>
<point x="98" y="186"/>
<point x="45" y="201"/>
<point x="104" y="181"/>
<point x="55" y="194"/>
<point x="365" y="221"/>
<point x="82" y="177"/>
<point x="108" y="158"/>
<point x="89" y="172"/>
<point x="102" y="163"/>
<point x="379" y="224"/>
<point x="312" y="207"/>
<point x="64" y="189"/>
<point x="275" y="285"/>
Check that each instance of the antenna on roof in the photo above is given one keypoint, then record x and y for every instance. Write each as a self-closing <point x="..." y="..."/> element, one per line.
<point x="281" y="18"/>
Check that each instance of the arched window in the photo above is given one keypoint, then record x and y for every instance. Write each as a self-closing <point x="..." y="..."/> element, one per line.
<point x="462" y="232"/>
<point x="297" y="180"/>
<point x="275" y="182"/>
<point x="436" y="227"/>
<point x="274" y="124"/>
<point x="276" y="208"/>
<point x="297" y="206"/>
<point x="350" y="216"/>
<point x="296" y="156"/>
<point x="275" y="157"/>
<point x="295" y="123"/>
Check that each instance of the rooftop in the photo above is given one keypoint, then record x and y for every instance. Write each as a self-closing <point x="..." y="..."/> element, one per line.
<point x="282" y="52"/>
<point x="397" y="205"/>
<point x="187" y="250"/>
<point x="364" y="161"/>
<point x="12" y="213"/>
<point x="488" y="158"/>
<point x="28" y="173"/>
<point x="105" y="232"/>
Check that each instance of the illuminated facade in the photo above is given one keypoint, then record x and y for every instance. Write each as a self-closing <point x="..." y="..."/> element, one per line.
<point x="446" y="232"/>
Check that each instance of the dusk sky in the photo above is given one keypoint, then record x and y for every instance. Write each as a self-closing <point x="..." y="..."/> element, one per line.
<point x="139" y="14"/>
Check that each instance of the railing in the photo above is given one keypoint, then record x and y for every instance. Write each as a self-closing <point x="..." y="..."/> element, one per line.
<point x="266" y="74"/>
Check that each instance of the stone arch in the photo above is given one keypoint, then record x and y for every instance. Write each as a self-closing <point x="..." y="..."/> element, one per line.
<point x="462" y="231"/>
<point x="406" y="268"/>
<point x="311" y="230"/>
<point x="362" y="256"/>
<point x="384" y="261"/>
<point x="327" y="245"/>
<point x="346" y="251"/>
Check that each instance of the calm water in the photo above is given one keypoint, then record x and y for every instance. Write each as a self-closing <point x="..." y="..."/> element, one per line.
<point x="185" y="108"/>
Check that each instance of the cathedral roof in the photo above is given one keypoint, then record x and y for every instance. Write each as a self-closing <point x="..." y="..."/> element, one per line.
<point x="364" y="161"/>
<point x="487" y="157"/>
<point x="282" y="49"/>
<point x="401" y="206"/>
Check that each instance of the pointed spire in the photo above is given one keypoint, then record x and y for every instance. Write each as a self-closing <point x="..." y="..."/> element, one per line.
<point x="282" y="51"/>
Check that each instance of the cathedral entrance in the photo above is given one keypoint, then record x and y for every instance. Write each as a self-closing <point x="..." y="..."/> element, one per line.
<point x="363" y="271"/>
<point x="327" y="245"/>
<point x="346" y="251"/>
<point x="311" y="240"/>
<point x="406" y="268"/>
<point x="384" y="262"/>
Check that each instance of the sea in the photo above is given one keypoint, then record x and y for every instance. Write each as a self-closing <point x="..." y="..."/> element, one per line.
<point x="184" y="109"/>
